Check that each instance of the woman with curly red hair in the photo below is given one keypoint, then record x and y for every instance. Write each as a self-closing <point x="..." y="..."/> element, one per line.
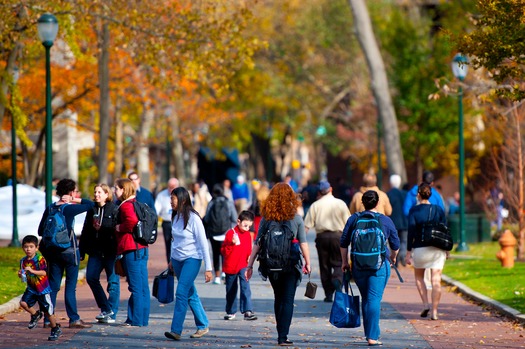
<point x="281" y="208"/>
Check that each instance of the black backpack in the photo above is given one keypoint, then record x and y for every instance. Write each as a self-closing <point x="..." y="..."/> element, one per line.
<point x="145" y="232"/>
<point x="55" y="235"/>
<point x="218" y="219"/>
<point x="278" y="252"/>
<point x="368" y="250"/>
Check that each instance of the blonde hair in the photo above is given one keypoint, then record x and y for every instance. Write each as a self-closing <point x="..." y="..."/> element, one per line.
<point x="106" y="189"/>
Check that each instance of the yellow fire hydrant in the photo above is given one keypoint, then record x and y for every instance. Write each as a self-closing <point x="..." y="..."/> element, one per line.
<point x="508" y="242"/>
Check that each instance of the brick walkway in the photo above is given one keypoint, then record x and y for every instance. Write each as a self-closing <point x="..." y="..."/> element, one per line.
<point x="462" y="324"/>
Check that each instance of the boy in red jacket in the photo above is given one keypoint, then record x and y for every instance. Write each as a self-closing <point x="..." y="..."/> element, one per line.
<point x="236" y="250"/>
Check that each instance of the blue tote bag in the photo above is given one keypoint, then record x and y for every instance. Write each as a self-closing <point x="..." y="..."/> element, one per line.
<point x="163" y="287"/>
<point x="345" y="309"/>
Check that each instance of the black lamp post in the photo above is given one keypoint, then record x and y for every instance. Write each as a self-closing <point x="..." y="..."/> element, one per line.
<point x="14" y="238"/>
<point x="460" y="69"/>
<point x="47" y="31"/>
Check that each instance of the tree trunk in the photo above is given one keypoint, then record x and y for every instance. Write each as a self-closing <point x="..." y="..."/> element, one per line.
<point x="119" y="143"/>
<point x="104" y="119"/>
<point x="143" y="148"/>
<point x="177" y="151"/>
<point x="366" y="38"/>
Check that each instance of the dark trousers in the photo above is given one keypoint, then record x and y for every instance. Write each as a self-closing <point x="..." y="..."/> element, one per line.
<point x="284" y="285"/>
<point x="217" y="257"/>
<point x="329" y="252"/>
<point x="166" y="231"/>
<point x="403" y="238"/>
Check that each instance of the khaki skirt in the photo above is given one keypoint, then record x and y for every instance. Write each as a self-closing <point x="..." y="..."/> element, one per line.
<point x="428" y="257"/>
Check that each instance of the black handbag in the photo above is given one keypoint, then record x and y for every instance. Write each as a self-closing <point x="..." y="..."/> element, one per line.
<point x="436" y="234"/>
<point x="311" y="289"/>
<point x="345" y="309"/>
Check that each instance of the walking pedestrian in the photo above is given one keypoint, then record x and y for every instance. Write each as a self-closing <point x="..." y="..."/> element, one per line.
<point x="370" y="183"/>
<point x="328" y="216"/>
<point x="371" y="283"/>
<point x="411" y="198"/>
<point x="241" y="194"/>
<point x="134" y="256"/>
<point x="163" y="208"/>
<point x="189" y="248"/>
<point x="221" y="216"/>
<point x="67" y="260"/>
<point x="99" y="242"/>
<point x="397" y="198"/>
<point x="424" y="257"/>
<point x="280" y="208"/>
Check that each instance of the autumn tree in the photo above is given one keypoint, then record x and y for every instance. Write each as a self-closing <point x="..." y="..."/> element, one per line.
<point x="497" y="44"/>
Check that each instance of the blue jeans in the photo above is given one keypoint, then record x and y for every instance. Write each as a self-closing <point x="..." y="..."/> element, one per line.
<point x="68" y="262"/>
<point x="231" y="293"/>
<point x="186" y="272"/>
<point x="372" y="285"/>
<point x="284" y="285"/>
<point x="97" y="263"/>
<point x="135" y="264"/>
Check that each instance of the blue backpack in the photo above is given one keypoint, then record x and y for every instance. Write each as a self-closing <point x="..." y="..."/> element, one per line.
<point x="55" y="234"/>
<point x="368" y="250"/>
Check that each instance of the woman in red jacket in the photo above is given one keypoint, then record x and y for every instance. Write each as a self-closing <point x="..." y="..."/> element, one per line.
<point x="134" y="256"/>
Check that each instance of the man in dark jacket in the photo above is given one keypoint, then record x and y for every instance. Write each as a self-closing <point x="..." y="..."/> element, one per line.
<point x="142" y="195"/>
<point x="397" y="198"/>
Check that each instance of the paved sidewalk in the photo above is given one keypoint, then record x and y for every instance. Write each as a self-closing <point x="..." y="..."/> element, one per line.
<point x="462" y="324"/>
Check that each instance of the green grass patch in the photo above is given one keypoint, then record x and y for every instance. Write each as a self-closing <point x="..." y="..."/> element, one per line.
<point x="479" y="269"/>
<point x="11" y="286"/>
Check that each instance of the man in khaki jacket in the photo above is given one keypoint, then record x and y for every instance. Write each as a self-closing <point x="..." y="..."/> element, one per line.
<point x="370" y="183"/>
<point x="328" y="216"/>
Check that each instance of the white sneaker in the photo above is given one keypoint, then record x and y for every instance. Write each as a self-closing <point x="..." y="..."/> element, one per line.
<point x="223" y="276"/>
<point x="104" y="315"/>
<point x="229" y="316"/>
<point x="107" y="321"/>
<point x="217" y="280"/>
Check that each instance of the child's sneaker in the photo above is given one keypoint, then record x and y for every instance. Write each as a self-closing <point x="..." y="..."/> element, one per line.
<point x="229" y="316"/>
<point x="249" y="316"/>
<point x="55" y="333"/>
<point x="34" y="319"/>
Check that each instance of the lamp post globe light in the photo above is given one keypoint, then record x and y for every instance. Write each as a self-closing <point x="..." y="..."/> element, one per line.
<point x="47" y="32"/>
<point x="460" y="69"/>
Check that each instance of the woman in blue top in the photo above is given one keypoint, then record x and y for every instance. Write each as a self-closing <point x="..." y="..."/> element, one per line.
<point x="422" y="256"/>
<point x="65" y="261"/>
<point x="189" y="247"/>
<point x="371" y="283"/>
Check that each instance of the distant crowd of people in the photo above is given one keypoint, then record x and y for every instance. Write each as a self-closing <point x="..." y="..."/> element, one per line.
<point x="236" y="221"/>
